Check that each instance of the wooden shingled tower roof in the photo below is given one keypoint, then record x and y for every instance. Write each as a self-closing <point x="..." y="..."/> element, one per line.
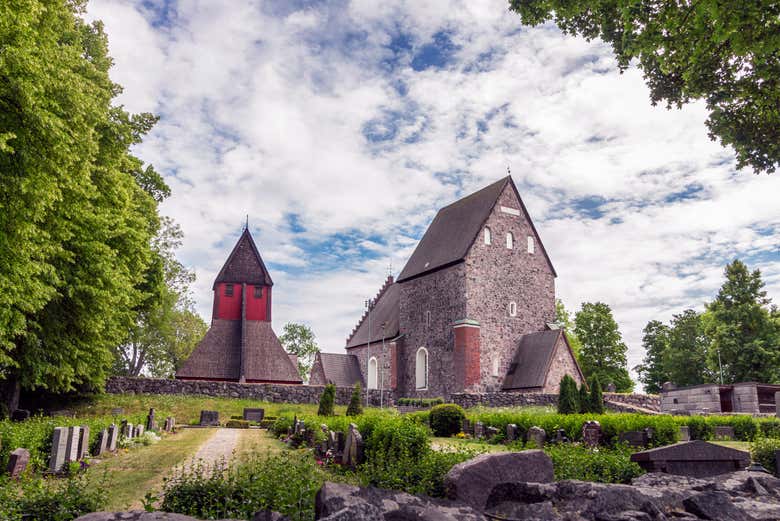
<point x="244" y="265"/>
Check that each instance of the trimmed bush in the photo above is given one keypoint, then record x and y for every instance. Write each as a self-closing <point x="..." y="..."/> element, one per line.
<point x="568" y="396"/>
<point x="763" y="451"/>
<point x="602" y="465"/>
<point x="237" y="424"/>
<point x="584" y="399"/>
<point x="355" y="407"/>
<point x="596" y="399"/>
<point x="327" y="401"/>
<point x="419" y="402"/>
<point x="446" y="419"/>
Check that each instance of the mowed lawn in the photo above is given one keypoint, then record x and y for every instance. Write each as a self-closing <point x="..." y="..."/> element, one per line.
<point x="130" y="475"/>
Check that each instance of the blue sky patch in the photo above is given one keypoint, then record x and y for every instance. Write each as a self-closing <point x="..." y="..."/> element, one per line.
<point x="437" y="54"/>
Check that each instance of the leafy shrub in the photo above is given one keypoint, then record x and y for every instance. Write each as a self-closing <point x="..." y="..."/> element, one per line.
<point x="419" y="402"/>
<point x="327" y="401"/>
<point x="584" y="399"/>
<point x="355" y="407"/>
<point x="237" y="424"/>
<point x="285" y="482"/>
<point x="282" y="426"/>
<point x="61" y="499"/>
<point x="568" y="396"/>
<point x="585" y="464"/>
<point x="699" y="428"/>
<point x="446" y="419"/>
<point x="763" y="451"/>
<point x="596" y="399"/>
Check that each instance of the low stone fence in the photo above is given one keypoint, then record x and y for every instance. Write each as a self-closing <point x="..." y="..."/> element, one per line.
<point x="276" y="393"/>
<point x="645" y="401"/>
<point x="503" y="399"/>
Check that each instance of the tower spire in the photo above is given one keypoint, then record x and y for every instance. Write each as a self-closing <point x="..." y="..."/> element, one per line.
<point x="246" y="226"/>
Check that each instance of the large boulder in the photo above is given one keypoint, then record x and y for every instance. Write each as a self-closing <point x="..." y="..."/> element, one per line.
<point x="136" y="515"/>
<point x="339" y="502"/>
<point x="473" y="481"/>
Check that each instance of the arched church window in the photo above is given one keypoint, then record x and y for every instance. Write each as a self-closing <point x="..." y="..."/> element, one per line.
<point x="487" y="235"/>
<point x="421" y="369"/>
<point x="510" y="240"/>
<point x="373" y="369"/>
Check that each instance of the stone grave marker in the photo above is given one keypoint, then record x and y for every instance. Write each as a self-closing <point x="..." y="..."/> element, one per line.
<point x="511" y="432"/>
<point x="490" y="432"/>
<point x="560" y="436"/>
<point x="167" y="425"/>
<point x="724" y="432"/>
<point x="333" y="443"/>
<point x="254" y="415"/>
<point x="695" y="458"/>
<point x="19" y="415"/>
<point x="466" y="426"/>
<point x="353" y="450"/>
<point x="301" y="427"/>
<point x="341" y="441"/>
<point x="17" y="462"/>
<point x="635" y="438"/>
<point x="102" y="443"/>
<point x="209" y="418"/>
<point x="84" y="442"/>
<point x="72" y="446"/>
<point x="113" y="434"/>
<point x="139" y="431"/>
<point x="117" y="411"/>
<point x="537" y="436"/>
<point x="123" y="428"/>
<point x="685" y="433"/>
<point x="777" y="404"/>
<point x="59" y="444"/>
<point x="479" y="430"/>
<point x="591" y="433"/>
<point x="151" y="424"/>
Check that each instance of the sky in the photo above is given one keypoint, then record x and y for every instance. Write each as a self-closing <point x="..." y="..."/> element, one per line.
<point x="339" y="128"/>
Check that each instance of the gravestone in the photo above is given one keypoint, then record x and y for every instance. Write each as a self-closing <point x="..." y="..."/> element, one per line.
<point x="490" y="432"/>
<point x="333" y="442"/>
<point x="511" y="432"/>
<point x="128" y="430"/>
<point x="72" y="446"/>
<point x="341" y="441"/>
<point x="479" y="430"/>
<point x="635" y="438"/>
<point x="611" y="387"/>
<point x="696" y="459"/>
<point x="685" y="433"/>
<point x="294" y="425"/>
<point x="102" y="443"/>
<point x="724" y="432"/>
<point x="353" y="450"/>
<point x="17" y="462"/>
<point x="139" y="431"/>
<point x="59" y="444"/>
<point x="117" y="411"/>
<point x="84" y="442"/>
<point x="254" y="415"/>
<point x="777" y="404"/>
<point x="301" y="427"/>
<point x="466" y="426"/>
<point x="591" y="433"/>
<point x="19" y="415"/>
<point x="560" y="436"/>
<point x="123" y="429"/>
<point x="151" y="424"/>
<point x="113" y="434"/>
<point x="537" y="436"/>
<point x="209" y="418"/>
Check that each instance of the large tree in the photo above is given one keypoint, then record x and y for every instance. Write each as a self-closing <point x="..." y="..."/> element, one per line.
<point x="564" y="321"/>
<point x="685" y="358"/>
<point x="725" y="53"/>
<point x="743" y="329"/>
<point x="299" y="340"/>
<point x="651" y="371"/>
<point x="78" y="210"/>
<point x="603" y="352"/>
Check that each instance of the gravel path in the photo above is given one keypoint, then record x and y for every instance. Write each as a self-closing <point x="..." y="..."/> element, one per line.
<point x="218" y="447"/>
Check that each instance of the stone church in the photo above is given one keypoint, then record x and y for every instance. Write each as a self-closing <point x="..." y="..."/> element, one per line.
<point x="472" y="310"/>
<point x="240" y="345"/>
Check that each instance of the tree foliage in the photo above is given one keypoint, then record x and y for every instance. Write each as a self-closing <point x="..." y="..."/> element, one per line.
<point x="596" y="397"/>
<point x="299" y="340"/>
<point x="564" y="321"/>
<point x="652" y="372"/>
<point x="568" y="396"/>
<point x="743" y="329"/>
<point x="355" y="407"/>
<point x="78" y="210"/>
<point x="603" y="352"/>
<point x="685" y="358"/>
<point x="725" y="53"/>
<point x="327" y="401"/>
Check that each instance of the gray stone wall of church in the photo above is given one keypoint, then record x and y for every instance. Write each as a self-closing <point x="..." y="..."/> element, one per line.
<point x="443" y="294"/>
<point x="496" y="276"/>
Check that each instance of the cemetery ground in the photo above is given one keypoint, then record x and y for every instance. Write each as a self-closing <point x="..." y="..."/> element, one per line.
<point x="281" y="466"/>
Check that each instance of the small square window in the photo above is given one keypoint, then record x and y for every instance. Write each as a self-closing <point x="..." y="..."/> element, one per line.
<point x="229" y="290"/>
<point x="258" y="292"/>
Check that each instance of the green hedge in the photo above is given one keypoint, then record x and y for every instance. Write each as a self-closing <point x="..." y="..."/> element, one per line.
<point x="446" y="419"/>
<point x="603" y="465"/>
<point x="419" y="402"/>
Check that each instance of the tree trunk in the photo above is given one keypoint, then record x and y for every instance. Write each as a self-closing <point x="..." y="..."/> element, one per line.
<point x="10" y="390"/>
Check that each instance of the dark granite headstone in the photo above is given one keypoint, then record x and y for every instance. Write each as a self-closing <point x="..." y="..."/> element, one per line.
<point x="102" y="443"/>
<point x="72" y="447"/>
<point x="536" y="436"/>
<point x="84" y="442"/>
<point x="113" y="436"/>
<point x="19" y="415"/>
<point x="591" y="433"/>
<point x="151" y="423"/>
<point x="479" y="430"/>
<point x="724" y="432"/>
<point x="209" y="418"/>
<point x="17" y="462"/>
<point x="560" y="436"/>
<point x="117" y="411"/>
<point x="254" y="415"/>
<point x="685" y="433"/>
<point x="340" y="441"/>
<point x="635" y="438"/>
<point x="466" y="426"/>
<point x="138" y="431"/>
<point x="490" y="432"/>
<point x="511" y="432"/>
<point x="353" y="450"/>
<point x="696" y="458"/>
<point x="59" y="445"/>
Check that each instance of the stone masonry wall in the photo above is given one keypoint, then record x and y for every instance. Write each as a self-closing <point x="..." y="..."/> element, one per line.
<point x="277" y="393"/>
<point x="441" y="293"/>
<point x="496" y="276"/>
<point x="691" y="399"/>
<point x="504" y="399"/>
<point x="646" y="401"/>
<point x="563" y="363"/>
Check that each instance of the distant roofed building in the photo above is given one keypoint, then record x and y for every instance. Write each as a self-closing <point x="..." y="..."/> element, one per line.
<point x="240" y="345"/>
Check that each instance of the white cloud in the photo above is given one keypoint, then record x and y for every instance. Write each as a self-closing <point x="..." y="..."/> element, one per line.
<point x="263" y="112"/>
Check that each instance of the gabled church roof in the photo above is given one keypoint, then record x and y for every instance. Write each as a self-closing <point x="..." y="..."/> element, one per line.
<point x="342" y="370"/>
<point x="384" y="311"/>
<point x="455" y="228"/>
<point x="533" y="358"/>
<point x="244" y="265"/>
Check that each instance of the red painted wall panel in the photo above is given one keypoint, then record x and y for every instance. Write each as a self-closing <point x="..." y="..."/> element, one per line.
<point x="467" y="348"/>
<point x="229" y="307"/>
<point x="258" y="308"/>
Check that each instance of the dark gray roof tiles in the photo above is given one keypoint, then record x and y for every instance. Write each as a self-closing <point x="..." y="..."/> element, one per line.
<point x="532" y="360"/>
<point x="342" y="370"/>
<point x="244" y="265"/>
<point x="385" y="311"/>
